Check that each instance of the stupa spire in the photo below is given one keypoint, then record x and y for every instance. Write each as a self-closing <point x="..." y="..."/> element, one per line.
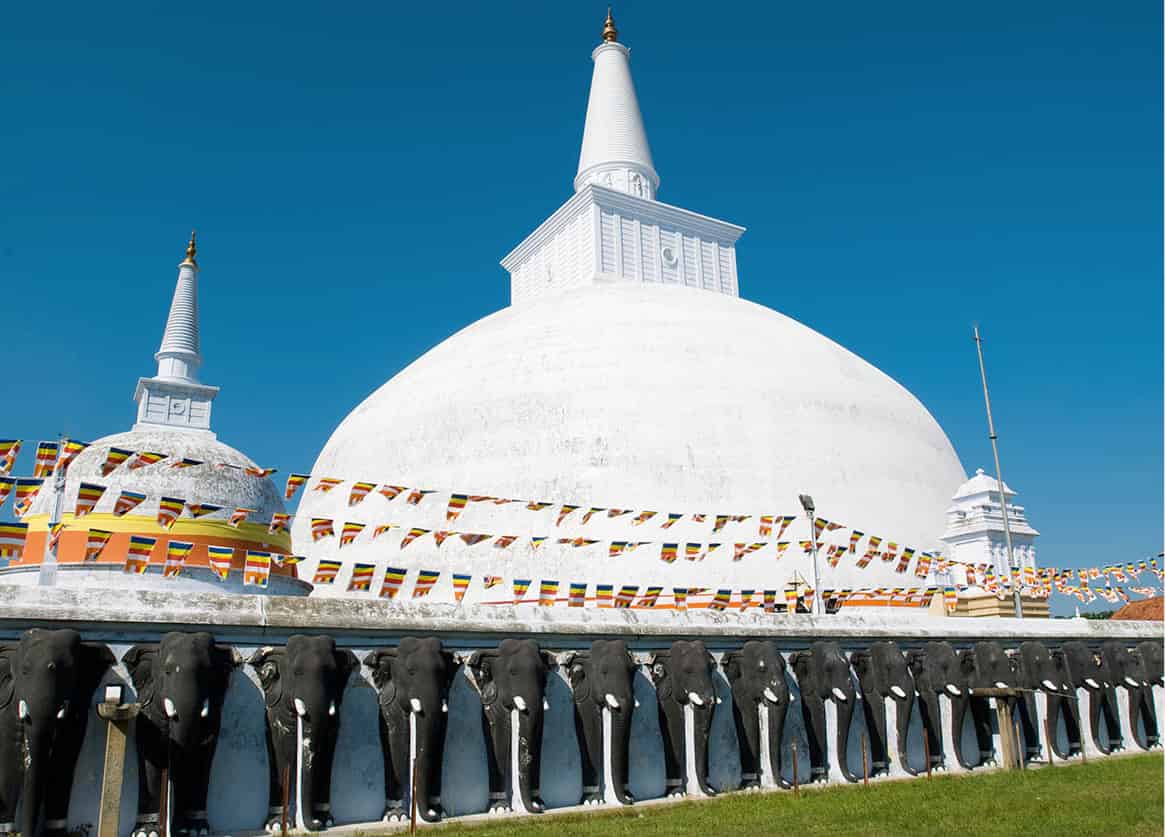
<point x="615" y="152"/>
<point x="174" y="395"/>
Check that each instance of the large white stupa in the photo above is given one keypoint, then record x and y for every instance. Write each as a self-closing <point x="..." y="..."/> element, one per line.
<point x="627" y="374"/>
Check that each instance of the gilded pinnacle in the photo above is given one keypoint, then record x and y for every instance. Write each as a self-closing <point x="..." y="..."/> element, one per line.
<point x="610" y="33"/>
<point x="191" y="251"/>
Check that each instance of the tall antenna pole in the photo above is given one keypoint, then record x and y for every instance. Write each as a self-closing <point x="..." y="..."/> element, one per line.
<point x="999" y="476"/>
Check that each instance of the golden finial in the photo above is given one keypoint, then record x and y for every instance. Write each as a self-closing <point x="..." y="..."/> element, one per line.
<point x="191" y="251"/>
<point x="610" y="33"/>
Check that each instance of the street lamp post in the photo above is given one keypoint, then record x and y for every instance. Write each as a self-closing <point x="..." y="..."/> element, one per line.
<point x="810" y="511"/>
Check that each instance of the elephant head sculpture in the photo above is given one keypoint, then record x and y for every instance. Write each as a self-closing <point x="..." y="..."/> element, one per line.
<point x="757" y="675"/>
<point x="985" y="666"/>
<point x="512" y="683"/>
<point x="1129" y="672"/>
<point x="181" y="683"/>
<point x="1038" y="670"/>
<point x="303" y="684"/>
<point x="47" y="680"/>
<point x="938" y="671"/>
<point x="683" y="682"/>
<point x="603" y="678"/>
<point x="883" y="673"/>
<point x="823" y="673"/>
<point x="1087" y="670"/>
<point x="1152" y="655"/>
<point x="413" y="682"/>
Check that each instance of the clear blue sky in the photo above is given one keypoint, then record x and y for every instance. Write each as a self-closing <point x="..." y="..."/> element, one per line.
<point x="356" y="172"/>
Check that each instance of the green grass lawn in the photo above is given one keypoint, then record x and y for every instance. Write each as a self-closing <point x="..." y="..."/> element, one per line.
<point x="1109" y="796"/>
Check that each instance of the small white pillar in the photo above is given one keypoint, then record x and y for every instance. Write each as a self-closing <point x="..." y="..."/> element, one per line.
<point x="1131" y="741"/>
<point x="889" y="707"/>
<point x="608" y="772"/>
<point x="950" y="742"/>
<point x="832" y="756"/>
<point x="764" y="769"/>
<point x="1090" y="746"/>
<point x="517" y="805"/>
<point x="692" y="784"/>
<point x="996" y="736"/>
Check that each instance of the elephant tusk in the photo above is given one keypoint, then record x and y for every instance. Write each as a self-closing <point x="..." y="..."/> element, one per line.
<point x="300" y="708"/>
<point x="22" y="710"/>
<point x="1092" y="684"/>
<point x="415" y="705"/>
<point x="332" y="708"/>
<point x="1049" y="685"/>
<point x="839" y="694"/>
<point x="898" y="691"/>
<point x="770" y="696"/>
<point x="695" y="699"/>
<point x="1131" y="682"/>
<point x="719" y="701"/>
<point x="545" y="705"/>
<point x="520" y="703"/>
<point x="205" y="709"/>
<point x="999" y="684"/>
<point x="953" y="691"/>
<point x="444" y="706"/>
<point x="612" y="701"/>
<point x="168" y="707"/>
<point x="636" y="701"/>
<point x="63" y="711"/>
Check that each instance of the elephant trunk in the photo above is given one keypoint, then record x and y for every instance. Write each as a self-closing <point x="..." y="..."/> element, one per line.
<point x="959" y="707"/>
<point x="529" y="756"/>
<point x="776" y="714"/>
<point x="845" y="714"/>
<point x="430" y="737"/>
<point x="701" y="727"/>
<point x="315" y="752"/>
<point x="875" y="713"/>
<point x="903" y="709"/>
<point x="38" y="740"/>
<point x="620" y="749"/>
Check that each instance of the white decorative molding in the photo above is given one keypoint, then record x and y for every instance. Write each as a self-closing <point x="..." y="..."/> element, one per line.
<point x="975" y="534"/>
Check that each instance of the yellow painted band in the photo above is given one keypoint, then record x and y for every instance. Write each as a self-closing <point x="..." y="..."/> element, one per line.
<point x="255" y="533"/>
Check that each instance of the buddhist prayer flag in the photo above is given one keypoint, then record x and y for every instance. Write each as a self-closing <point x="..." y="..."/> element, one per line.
<point x="220" y="558"/>
<point x="294" y="481"/>
<point x="473" y="539"/>
<point x="680" y="596"/>
<point x="202" y="509"/>
<point x="279" y="521"/>
<point x="739" y="550"/>
<point x="69" y="451"/>
<point x="807" y="597"/>
<point x="394" y="578"/>
<point x="326" y="484"/>
<point x="257" y="472"/>
<point x="591" y="512"/>
<point x="348" y="534"/>
<point x="55" y="532"/>
<point x="25" y="492"/>
<point x="833" y="554"/>
<point x="521" y="585"/>
<point x="692" y="552"/>
<point x="96" y="542"/>
<point x="391" y="492"/>
<point x="699" y="518"/>
<point x="504" y="541"/>
<point x="46" y="458"/>
<point x="361" y="577"/>
<point x="854" y="537"/>
<point x="904" y="561"/>
<point x="563" y="512"/>
<point x="87" y="496"/>
<point x="137" y="557"/>
<point x="537" y="541"/>
<point x="145" y="458"/>
<point x="668" y="552"/>
<point x="642" y="518"/>
<point x="626" y="595"/>
<point x="127" y="501"/>
<point x="190" y="463"/>
<point x="781" y="547"/>
<point x="382" y="528"/>
<point x="616" y="548"/>
<point x="547" y="593"/>
<point x="490" y="581"/>
<point x="6" y="484"/>
<point x="12" y="537"/>
<point x="891" y="552"/>
<point x="765" y="525"/>
<point x="922" y="568"/>
<point x="176" y="555"/>
<point x="617" y="512"/>
<point x="576" y="542"/>
<point x="326" y="572"/>
<point x="240" y="515"/>
<point x="456" y="506"/>
<point x="115" y="457"/>
<point x="650" y="597"/>
<point x="790" y="599"/>
<point x="286" y="560"/>
<point x="9" y="450"/>
<point x="536" y="505"/>
<point x="722" y="599"/>
<point x="578" y="594"/>
<point x="169" y="509"/>
<point x="950" y="598"/>
<point x="603" y="594"/>
<point x="672" y="517"/>
<point x="719" y="522"/>
<point x="460" y="585"/>
<point x="417" y="495"/>
<point x="440" y="536"/>
<point x="770" y="601"/>
<point x="785" y="521"/>
<point x="412" y="535"/>
<point x="257" y="568"/>
<point x="321" y="527"/>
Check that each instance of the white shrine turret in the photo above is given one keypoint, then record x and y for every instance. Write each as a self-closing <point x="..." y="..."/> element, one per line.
<point x="174" y="397"/>
<point x="974" y="533"/>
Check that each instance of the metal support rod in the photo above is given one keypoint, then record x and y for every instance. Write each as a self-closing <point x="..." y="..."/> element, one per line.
<point x="286" y="800"/>
<point x="865" y="764"/>
<point x="999" y="476"/>
<point x="1048" y="737"/>
<point x="413" y="799"/>
<point x="164" y="803"/>
<point x="796" y="779"/>
<point x="811" y="512"/>
<point x="926" y="750"/>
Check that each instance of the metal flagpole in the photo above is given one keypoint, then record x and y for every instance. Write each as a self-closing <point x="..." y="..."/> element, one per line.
<point x="999" y="476"/>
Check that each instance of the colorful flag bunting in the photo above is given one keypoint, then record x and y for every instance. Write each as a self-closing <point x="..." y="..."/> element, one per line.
<point x="326" y="484"/>
<point x="412" y="535"/>
<point x="460" y="585"/>
<point x="785" y="521"/>
<point x="189" y="463"/>
<point x="69" y="451"/>
<point x="169" y="509"/>
<point x="279" y="522"/>
<point x="145" y="458"/>
<point x="578" y="594"/>
<point x="321" y="527"/>
<point x="12" y="536"/>
<point x="521" y="585"/>
<point x="440" y="536"/>
<point x="781" y="547"/>
<point x="202" y="509"/>
<point x="473" y="539"/>
<point x="672" y="517"/>
<point x="326" y="572"/>
<point x="394" y="579"/>
<point x="391" y="492"/>
<point x="617" y="512"/>
<point x="692" y="552"/>
<point x="680" y="596"/>
<point x="854" y="537"/>
<point x="904" y="561"/>
<point x="88" y="495"/>
<point x="770" y="601"/>
<point x="361" y="577"/>
<point x="9" y="450"/>
<point x="668" y="552"/>
<point x="127" y="501"/>
<point x="537" y="505"/>
<point x="259" y="473"/>
<point x="650" y="597"/>
<point x="294" y="481"/>
<point x="348" y="534"/>
<point x="115" y="457"/>
<point x="96" y="542"/>
<point x="790" y="599"/>
<point x="504" y="541"/>
<point x="616" y="548"/>
<point x="137" y="557"/>
<point x="176" y="555"/>
<point x="591" y="512"/>
<point x="220" y="559"/>
<point x="537" y="541"/>
<point x="382" y="528"/>
<point x="563" y="512"/>
<point x="490" y="581"/>
<point x="547" y="593"/>
<point x="603" y="594"/>
<point x="456" y="506"/>
<point x="417" y="495"/>
<point x="626" y="595"/>
<point x="722" y="600"/>
<point x="642" y="518"/>
<point x="240" y="515"/>
<point x="46" y="458"/>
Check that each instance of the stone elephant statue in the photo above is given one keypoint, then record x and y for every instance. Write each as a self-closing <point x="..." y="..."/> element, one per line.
<point x="683" y="683"/>
<point x="1152" y="655"/>
<point x="413" y="682"/>
<point x="938" y="671"/>
<point x="823" y="674"/>
<point x="181" y="683"/>
<point x="602" y="680"/>
<point x="511" y="680"/>
<point x="1042" y="672"/>
<point x="47" y="680"/>
<point x="883" y="673"/>
<point x="1129" y="672"/>
<point x="1087" y="670"/>
<point x="985" y="666"/>
<point x="303" y="684"/>
<point x="757" y="674"/>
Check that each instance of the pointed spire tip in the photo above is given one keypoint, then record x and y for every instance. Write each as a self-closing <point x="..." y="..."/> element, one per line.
<point x="191" y="251"/>
<point x="610" y="33"/>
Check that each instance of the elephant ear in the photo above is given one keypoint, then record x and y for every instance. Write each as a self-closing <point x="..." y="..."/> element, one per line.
<point x="223" y="661"/>
<point x="481" y="667"/>
<point x="380" y="663"/>
<point x="730" y="662"/>
<point x="7" y="680"/>
<point x="861" y="660"/>
<point x="580" y="684"/>
<point x="96" y="659"/>
<point x="550" y="659"/>
<point x="267" y="662"/>
<point x="347" y="663"/>
<point x="660" y="676"/>
<point x="139" y="661"/>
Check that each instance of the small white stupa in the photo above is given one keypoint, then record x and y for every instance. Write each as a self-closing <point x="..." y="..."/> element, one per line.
<point x="975" y="533"/>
